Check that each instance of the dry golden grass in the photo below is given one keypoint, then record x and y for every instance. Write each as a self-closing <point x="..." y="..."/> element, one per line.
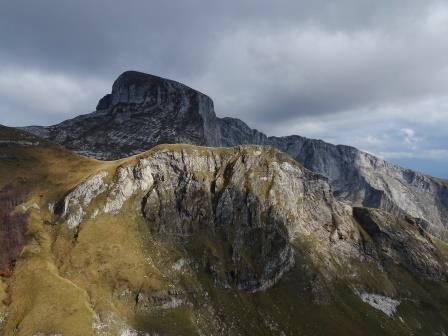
<point x="42" y="300"/>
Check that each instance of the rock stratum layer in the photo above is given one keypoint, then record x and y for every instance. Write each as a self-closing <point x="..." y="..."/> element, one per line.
<point x="188" y="240"/>
<point x="144" y="110"/>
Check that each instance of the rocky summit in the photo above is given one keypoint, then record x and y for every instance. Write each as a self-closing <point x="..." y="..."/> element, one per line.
<point x="193" y="240"/>
<point x="144" y="110"/>
<point x="141" y="112"/>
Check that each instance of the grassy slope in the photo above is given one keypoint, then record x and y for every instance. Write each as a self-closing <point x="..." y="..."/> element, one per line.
<point x="62" y="285"/>
<point x="45" y="172"/>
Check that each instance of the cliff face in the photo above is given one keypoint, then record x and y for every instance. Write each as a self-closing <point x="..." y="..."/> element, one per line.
<point x="143" y="111"/>
<point x="187" y="240"/>
<point x="252" y="202"/>
<point x="365" y="180"/>
<point x="231" y="209"/>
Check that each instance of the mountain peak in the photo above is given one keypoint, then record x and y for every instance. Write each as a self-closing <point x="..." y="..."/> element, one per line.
<point x="127" y="80"/>
<point x="132" y="77"/>
<point x="137" y="80"/>
<point x="134" y="87"/>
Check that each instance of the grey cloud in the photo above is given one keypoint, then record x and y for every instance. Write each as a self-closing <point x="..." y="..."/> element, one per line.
<point x="102" y="35"/>
<point x="317" y="72"/>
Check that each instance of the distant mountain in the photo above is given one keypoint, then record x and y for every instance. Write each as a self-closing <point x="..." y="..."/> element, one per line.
<point x="144" y="110"/>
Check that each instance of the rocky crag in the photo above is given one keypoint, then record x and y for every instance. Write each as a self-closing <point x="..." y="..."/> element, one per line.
<point x="144" y="110"/>
<point x="187" y="240"/>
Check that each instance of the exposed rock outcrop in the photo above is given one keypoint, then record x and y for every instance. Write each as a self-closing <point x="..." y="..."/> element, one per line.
<point x="76" y="201"/>
<point x="387" y="305"/>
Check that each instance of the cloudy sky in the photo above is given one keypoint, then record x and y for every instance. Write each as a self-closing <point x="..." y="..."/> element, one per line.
<point x="372" y="74"/>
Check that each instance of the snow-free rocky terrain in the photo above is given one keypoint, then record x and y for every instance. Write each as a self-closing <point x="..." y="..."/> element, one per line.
<point x="182" y="239"/>
<point x="187" y="240"/>
<point x="144" y="110"/>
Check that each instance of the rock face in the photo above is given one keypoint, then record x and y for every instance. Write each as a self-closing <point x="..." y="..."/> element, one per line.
<point x="72" y="207"/>
<point x="144" y="110"/>
<point x="400" y="241"/>
<point x="365" y="180"/>
<point x="238" y="201"/>
<point x="251" y="203"/>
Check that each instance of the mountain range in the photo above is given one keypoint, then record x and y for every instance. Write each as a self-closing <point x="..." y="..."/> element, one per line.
<point x="144" y="110"/>
<point x="152" y="216"/>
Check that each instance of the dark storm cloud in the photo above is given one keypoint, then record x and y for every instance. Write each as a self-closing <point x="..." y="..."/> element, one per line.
<point x="164" y="36"/>
<point x="347" y="71"/>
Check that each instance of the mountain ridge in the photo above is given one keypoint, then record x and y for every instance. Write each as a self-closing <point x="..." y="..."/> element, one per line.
<point x="193" y="240"/>
<point x="144" y="110"/>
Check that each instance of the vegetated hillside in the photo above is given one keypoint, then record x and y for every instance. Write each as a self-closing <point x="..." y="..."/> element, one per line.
<point x="186" y="240"/>
<point x="144" y="110"/>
